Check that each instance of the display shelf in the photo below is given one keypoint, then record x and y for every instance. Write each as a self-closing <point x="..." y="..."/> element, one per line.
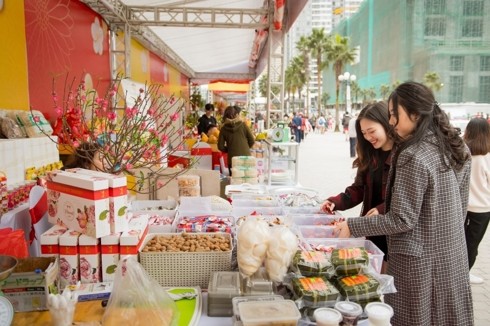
<point x="282" y="164"/>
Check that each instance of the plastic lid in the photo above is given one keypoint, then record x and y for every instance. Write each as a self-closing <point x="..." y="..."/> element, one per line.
<point x="224" y="284"/>
<point x="348" y="308"/>
<point x="327" y="316"/>
<point x="259" y="312"/>
<point x="379" y="310"/>
<point x="6" y="311"/>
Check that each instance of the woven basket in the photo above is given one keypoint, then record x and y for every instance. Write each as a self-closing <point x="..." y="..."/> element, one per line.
<point x="184" y="268"/>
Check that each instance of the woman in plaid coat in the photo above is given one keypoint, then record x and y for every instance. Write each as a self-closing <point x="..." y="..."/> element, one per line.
<point x="373" y="164"/>
<point x="426" y="203"/>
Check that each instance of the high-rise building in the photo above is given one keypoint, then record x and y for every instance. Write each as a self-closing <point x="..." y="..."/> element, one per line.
<point x="404" y="40"/>
<point x="324" y="14"/>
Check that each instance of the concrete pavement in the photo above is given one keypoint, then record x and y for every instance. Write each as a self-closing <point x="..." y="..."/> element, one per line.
<point x="325" y="165"/>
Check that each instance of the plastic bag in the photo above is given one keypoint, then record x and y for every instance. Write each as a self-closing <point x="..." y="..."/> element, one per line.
<point x="137" y="299"/>
<point x="13" y="243"/>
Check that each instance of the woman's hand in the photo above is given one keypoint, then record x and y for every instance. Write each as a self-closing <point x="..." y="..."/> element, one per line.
<point x="372" y="212"/>
<point x="328" y="207"/>
<point x="342" y="230"/>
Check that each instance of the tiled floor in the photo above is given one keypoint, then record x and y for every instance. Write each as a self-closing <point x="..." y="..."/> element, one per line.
<point x="325" y="165"/>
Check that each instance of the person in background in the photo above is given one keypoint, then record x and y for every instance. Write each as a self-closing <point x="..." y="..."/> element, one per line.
<point x="321" y="123"/>
<point x="425" y="208"/>
<point x="373" y="164"/>
<point x="206" y="120"/>
<point x="88" y="156"/>
<point x="235" y="138"/>
<point x="297" y="125"/>
<point x="345" y="124"/>
<point x="477" y="137"/>
<point x="352" y="136"/>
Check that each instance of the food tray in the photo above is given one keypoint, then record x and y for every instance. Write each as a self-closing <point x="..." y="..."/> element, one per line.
<point x="184" y="268"/>
<point x="374" y="253"/>
<point x="243" y="202"/>
<point x="248" y="210"/>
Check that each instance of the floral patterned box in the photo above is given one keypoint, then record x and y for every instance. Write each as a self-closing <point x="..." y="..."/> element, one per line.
<point x="69" y="263"/>
<point x="50" y="246"/>
<point x="109" y="247"/>
<point x="90" y="265"/>
<point x="131" y="241"/>
<point x="79" y="202"/>
<point x="118" y="198"/>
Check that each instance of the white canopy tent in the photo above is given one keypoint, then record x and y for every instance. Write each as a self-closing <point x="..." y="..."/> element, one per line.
<point x="207" y="40"/>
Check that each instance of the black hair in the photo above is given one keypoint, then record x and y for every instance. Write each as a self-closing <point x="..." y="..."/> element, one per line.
<point x="366" y="153"/>
<point x="83" y="157"/>
<point x="418" y="101"/>
<point x="230" y="113"/>
<point x="209" y="107"/>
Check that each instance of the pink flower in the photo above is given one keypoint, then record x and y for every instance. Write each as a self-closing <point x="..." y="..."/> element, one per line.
<point x="174" y="116"/>
<point x="151" y="112"/>
<point x="76" y="144"/>
<point x="142" y="90"/>
<point x="130" y="113"/>
<point x="85" y="268"/>
<point x="111" y="116"/>
<point x="164" y="139"/>
<point x="59" y="111"/>
<point x="129" y="166"/>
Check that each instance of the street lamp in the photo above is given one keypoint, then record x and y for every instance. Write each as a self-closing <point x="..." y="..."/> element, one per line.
<point x="347" y="78"/>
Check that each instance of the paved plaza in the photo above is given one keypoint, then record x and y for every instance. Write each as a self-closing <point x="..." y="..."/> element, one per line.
<point x="325" y="165"/>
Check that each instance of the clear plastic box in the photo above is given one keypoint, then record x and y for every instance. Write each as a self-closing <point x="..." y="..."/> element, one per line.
<point x="374" y="253"/>
<point x="244" y="202"/>
<point x="223" y="287"/>
<point x="317" y="231"/>
<point x="265" y="313"/>
<point x="247" y="210"/>
<point x="236" y="300"/>
<point x="316" y="219"/>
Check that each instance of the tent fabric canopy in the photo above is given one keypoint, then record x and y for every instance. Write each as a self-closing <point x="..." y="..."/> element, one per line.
<point x="215" y="38"/>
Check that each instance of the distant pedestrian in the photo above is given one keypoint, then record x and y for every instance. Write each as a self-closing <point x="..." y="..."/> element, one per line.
<point x="297" y="124"/>
<point x="345" y="124"/>
<point x="321" y="123"/>
<point x="352" y="136"/>
<point x="477" y="137"/>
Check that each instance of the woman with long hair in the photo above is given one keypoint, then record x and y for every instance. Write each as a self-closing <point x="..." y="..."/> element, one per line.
<point x="477" y="137"/>
<point x="426" y="203"/>
<point x="373" y="164"/>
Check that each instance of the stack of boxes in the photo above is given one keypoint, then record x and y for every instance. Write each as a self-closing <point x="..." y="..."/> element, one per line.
<point x="244" y="170"/>
<point x="92" y="227"/>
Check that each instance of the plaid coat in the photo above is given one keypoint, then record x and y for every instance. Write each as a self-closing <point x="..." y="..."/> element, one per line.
<point x="424" y="220"/>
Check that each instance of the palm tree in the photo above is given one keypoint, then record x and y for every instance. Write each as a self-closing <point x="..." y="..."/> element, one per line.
<point x="263" y="86"/>
<point x="324" y="100"/>
<point x="384" y="91"/>
<point x="340" y="54"/>
<point x="355" y="91"/>
<point x="319" y="44"/>
<point x="303" y="45"/>
<point x="433" y="81"/>
<point x="295" y="78"/>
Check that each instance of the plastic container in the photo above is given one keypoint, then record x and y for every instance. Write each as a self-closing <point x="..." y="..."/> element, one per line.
<point x="188" y="180"/>
<point x="317" y="231"/>
<point x="315" y="219"/>
<point x="374" y="253"/>
<point x="223" y="287"/>
<point x="265" y="313"/>
<point x="236" y="300"/>
<point x="327" y="317"/>
<point x="257" y="284"/>
<point x="244" y="202"/>
<point x="379" y="314"/>
<point x="351" y="312"/>
<point x="248" y="210"/>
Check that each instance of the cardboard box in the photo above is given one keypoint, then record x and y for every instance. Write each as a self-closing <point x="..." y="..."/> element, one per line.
<point x="109" y="247"/>
<point x="94" y="291"/>
<point x="69" y="263"/>
<point x="30" y="283"/>
<point x="79" y="202"/>
<point x="118" y="198"/>
<point x="131" y="241"/>
<point x="90" y="265"/>
<point x="50" y="241"/>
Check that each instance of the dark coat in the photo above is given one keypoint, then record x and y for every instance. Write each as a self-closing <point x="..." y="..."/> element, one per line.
<point x="361" y="191"/>
<point x="204" y="123"/>
<point x="235" y="138"/>
<point x="425" y="213"/>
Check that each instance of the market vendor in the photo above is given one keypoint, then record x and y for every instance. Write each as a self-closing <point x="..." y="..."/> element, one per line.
<point x="207" y="119"/>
